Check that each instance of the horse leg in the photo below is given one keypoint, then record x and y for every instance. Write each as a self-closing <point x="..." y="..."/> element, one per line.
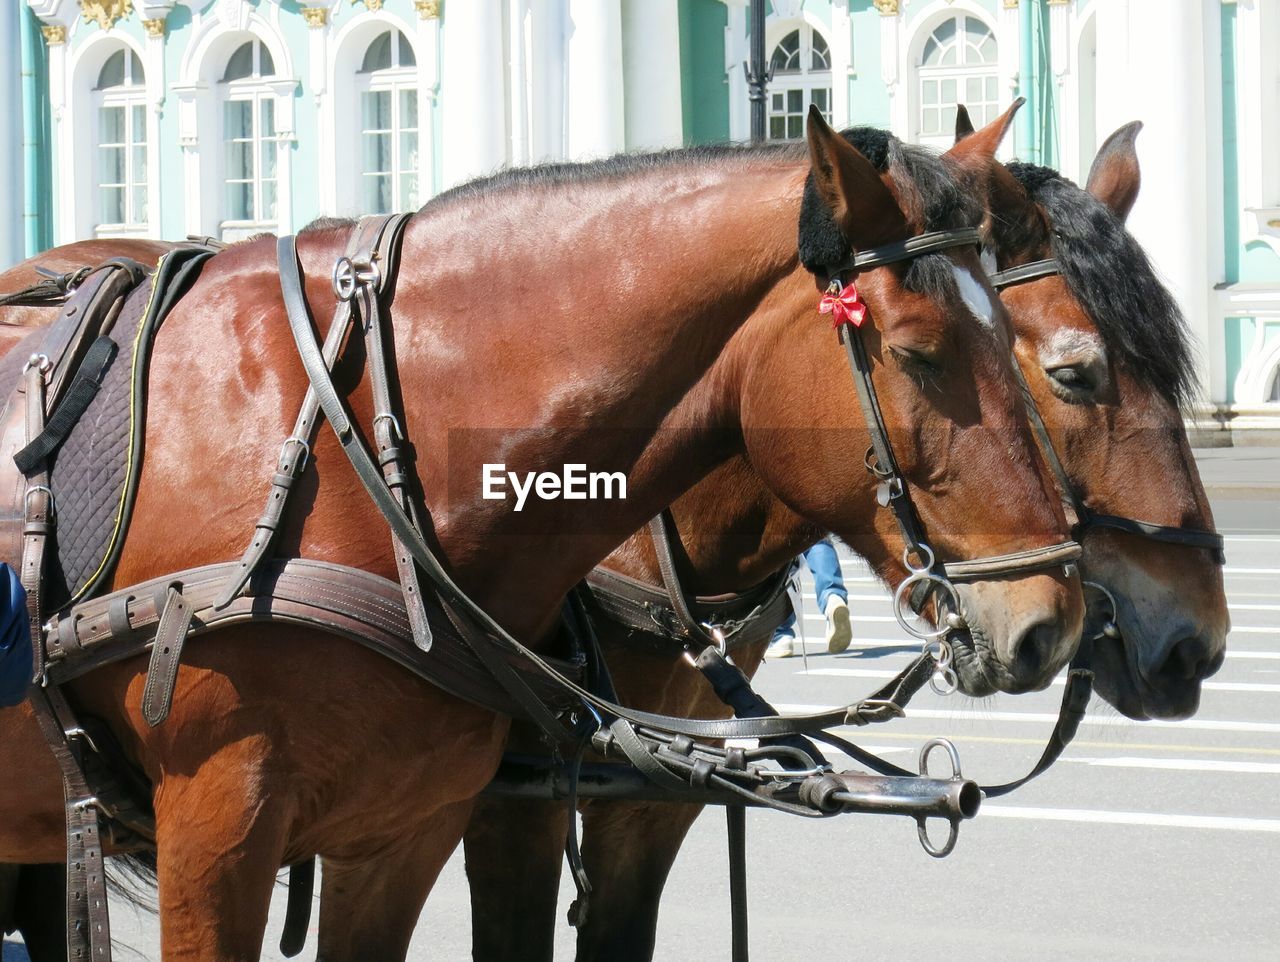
<point x="39" y="910"/>
<point x="628" y="850"/>
<point x="369" y="906"/>
<point x="514" y="848"/>
<point x="220" y="842"/>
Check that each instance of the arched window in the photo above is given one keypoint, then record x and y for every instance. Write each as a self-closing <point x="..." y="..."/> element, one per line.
<point x="957" y="65"/>
<point x="252" y="145"/>
<point x="121" y="135"/>
<point x="801" y="64"/>
<point x="388" y="85"/>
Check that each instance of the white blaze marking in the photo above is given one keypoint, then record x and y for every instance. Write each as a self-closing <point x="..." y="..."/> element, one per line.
<point x="976" y="297"/>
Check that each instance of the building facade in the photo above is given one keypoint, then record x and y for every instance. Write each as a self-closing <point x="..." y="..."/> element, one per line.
<point x="229" y="117"/>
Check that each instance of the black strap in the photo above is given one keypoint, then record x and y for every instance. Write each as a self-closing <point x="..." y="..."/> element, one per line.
<point x="1026" y="272"/>
<point x="84" y="388"/>
<point x="1191" y="537"/>
<point x="297" y="913"/>
<point x="938" y="240"/>
<point x="736" y="823"/>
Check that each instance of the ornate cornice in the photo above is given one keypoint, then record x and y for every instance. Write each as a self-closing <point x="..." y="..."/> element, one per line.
<point x="105" y="12"/>
<point x="155" y="28"/>
<point x="54" y="35"/>
<point x="369" y="4"/>
<point x="316" y="17"/>
<point x="427" y="9"/>
<point x="887" y="8"/>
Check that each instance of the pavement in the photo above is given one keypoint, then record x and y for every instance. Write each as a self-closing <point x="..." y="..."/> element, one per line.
<point x="1147" y="841"/>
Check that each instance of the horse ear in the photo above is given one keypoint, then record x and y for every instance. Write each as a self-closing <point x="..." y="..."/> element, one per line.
<point x="1115" y="175"/>
<point x="979" y="149"/>
<point x="964" y="126"/>
<point x="850" y="186"/>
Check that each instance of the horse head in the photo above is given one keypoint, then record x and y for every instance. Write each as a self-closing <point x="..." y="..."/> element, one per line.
<point x="1107" y="357"/>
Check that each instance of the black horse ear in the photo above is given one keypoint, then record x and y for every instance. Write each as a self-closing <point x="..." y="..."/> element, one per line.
<point x="964" y="126"/>
<point x="1115" y="176"/>
<point x="850" y="186"/>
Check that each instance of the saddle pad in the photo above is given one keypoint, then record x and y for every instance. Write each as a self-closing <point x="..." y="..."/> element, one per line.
<point x="95" y="470"/>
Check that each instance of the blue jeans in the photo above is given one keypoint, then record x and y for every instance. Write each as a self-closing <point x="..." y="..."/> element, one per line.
<point x="824" y="563"/>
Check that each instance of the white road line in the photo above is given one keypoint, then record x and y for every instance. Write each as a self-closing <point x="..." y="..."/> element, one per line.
<point x="1045" y="718"/>
<point x="1180" y="764"/>
<point x="1218" y="822"/>
<point x="1239" y="686"/>
<point x="1251" y="571"/>
<point x="1257" y="655"/>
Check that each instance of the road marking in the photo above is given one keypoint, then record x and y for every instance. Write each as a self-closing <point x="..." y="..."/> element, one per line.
<point x="1180" y="764"/>
<point x="962" y="740"/>
<point x="1262" y="655"/>
<point x="1041" y="718"/>
<point x="1242" y="686"/>
<point x="1216" y="822"/>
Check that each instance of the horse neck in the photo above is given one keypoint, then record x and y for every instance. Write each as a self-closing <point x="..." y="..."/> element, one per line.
<point x="617" y="299"/>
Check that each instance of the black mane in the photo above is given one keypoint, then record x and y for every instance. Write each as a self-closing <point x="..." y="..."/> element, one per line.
<point x="928" y="192"/>
<point x="1109" y="274"/>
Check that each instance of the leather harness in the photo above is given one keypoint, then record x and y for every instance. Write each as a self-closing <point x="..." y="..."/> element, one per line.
<point x="440" y="633"/>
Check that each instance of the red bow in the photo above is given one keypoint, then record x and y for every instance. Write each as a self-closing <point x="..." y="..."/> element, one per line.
<point x="844" y="305"/>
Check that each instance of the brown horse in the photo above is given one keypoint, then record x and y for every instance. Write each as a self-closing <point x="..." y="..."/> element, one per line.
<point x="1102" y="371"/>
<point x="533" y="310"/>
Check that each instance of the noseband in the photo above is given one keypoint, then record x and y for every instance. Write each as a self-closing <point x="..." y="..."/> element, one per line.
<point x="925" y="572"/>
<point x="1210" y="541"/>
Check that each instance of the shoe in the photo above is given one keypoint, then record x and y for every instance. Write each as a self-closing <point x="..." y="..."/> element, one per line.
<point x="839" y="630"/>
<point x="783" y="647"/>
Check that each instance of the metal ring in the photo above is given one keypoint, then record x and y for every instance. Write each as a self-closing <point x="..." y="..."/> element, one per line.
<point x="1110" y="629"/>
<point x="922" y="830"/>
<point x="306" y="450"/>
<point x="947" y="746"/>
<point x="899" y="595"/>
<point x="395" y="425"/>
<point x="943" y="657"/>
<point x="924" y="551"/>
<point x="344" y="278"/>
<point x="39" y="361"/>
<point x="944" y="681"/>
<point x="717" y="635"/>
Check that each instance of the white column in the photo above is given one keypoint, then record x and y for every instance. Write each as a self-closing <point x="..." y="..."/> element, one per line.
<point x="738" y="54"/>
<point x="841" y="64"/>
<point x="651" y="64"/>
<point x="1008" y="53"/>
<point x="1166" y="88"/>
<point x="474" y="127"/>
<point x="594" y="89"/>
<point x="11" y="193"/>
<point x="548" y="20"/>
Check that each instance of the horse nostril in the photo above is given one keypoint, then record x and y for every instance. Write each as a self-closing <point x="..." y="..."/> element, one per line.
<point x="1034" y="651"/>
<point x="1191" y="660"/>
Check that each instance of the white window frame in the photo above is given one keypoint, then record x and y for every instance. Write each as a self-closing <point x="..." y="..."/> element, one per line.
<point x="961" y="72"/>
<point x="256" y="90"/>
<point x="395" y="80"/>
<point x="127" y="96"/>
<point x="806" y="80"/>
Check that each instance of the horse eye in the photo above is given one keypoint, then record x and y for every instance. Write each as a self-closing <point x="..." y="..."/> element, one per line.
<point x="1071" y="378"/>
<point x="914" y="358"/>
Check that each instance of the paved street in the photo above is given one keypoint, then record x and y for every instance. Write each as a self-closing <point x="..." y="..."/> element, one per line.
<point x="1150" y="841"/>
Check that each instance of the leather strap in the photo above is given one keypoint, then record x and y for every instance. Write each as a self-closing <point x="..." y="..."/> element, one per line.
<point x="297" y="912"/>
<point x="84" y="388"/>
<point x="1026" y="272"/>
<point x="166" y="654"/>
<point x="661" y="529"/>
<point x="88" y="925"/>
<point x="912" y="247"/>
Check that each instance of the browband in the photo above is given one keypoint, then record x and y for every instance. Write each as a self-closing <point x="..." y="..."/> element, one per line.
<point x="937" y="240"/>
<point x="1026" y="272"/>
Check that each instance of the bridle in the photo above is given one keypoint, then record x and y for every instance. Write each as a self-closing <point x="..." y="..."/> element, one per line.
<point x="1086" y="519"/>
<point x="926" y="573"/>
